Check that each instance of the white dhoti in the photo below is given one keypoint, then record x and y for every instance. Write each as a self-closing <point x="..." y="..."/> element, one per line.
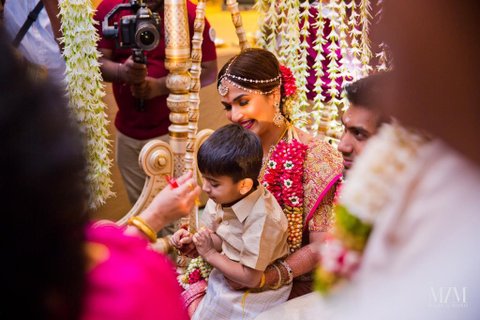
<point x="222" y="302"/>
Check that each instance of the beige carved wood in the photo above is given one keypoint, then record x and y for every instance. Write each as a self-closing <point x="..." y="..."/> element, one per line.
<point x="177" y="52"/>
<point x="193" y="111"/>
<point x="156" y="159"/>
<point x="178" y="63"/>
<point x="232" y="6"/>
<point x="202" y="135"/>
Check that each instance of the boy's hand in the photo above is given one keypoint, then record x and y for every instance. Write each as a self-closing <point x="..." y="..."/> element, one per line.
<point x="182" y="240"/>
<point x="204" y="243"/>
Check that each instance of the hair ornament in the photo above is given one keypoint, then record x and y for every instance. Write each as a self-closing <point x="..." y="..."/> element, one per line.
<point x="222" y="89"/>
<point x="288" y="81"/>
<point x="232" y="79"/>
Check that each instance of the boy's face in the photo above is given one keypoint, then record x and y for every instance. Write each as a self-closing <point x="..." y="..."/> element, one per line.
<point x="221" y="189"/>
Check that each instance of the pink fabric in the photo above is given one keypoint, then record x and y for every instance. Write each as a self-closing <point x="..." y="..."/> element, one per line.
<point x="319" y="200"/>
<point x="194" y="295"/>
<point x="134" y="282"/>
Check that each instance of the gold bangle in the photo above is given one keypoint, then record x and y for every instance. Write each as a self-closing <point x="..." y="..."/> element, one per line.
<point x="279" y="282"/>
<point x="141" y="225"/>
<point x="262" y="281"/>
<point x="289" y="271"/>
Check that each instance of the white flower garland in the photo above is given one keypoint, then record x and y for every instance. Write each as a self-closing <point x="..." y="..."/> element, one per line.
<point x="279" y="33"/>
<point x="355" y="35"/>
<point x="365" y="17"/>
<point x="86" y="92"/>
<point x="318" y="105"/>
<point x="302" y="67"/>
<point x="197" y="270"/>
<point x="370" y="187"/>
<point x="372" y="181"/>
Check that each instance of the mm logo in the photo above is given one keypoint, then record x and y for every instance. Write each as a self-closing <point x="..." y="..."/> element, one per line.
<point x="448" y="297"/>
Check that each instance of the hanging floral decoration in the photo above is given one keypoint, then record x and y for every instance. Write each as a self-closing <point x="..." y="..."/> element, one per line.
<point x="283" y="178"/>
<point x="384" y="164"/>
<point x="336" y="33"/>
<point x="197" y="270"/>
<point x="85" y="90"/>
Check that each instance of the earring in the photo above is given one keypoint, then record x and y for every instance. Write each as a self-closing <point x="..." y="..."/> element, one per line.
<point x="278" y="118"/>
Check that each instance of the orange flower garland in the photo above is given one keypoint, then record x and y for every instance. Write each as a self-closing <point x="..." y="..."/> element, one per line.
<point x="284" y="179"/>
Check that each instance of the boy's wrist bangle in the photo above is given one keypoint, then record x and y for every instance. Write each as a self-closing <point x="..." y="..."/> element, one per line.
<point x="262" y="281"/>
<point x="141" y="225"/>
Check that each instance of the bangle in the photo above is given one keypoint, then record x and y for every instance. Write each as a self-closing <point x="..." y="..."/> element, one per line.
<point x="279" y="282"/>
<point x="165" y="246"/>
<point x="262" y="281"/>
<point x="289" y="271"/>
<point x="141" y="225"/>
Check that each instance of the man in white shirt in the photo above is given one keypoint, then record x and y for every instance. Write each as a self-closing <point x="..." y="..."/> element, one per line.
<point x="39" y="44"/>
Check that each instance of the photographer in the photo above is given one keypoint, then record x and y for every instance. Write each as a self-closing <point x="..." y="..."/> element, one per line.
<point x="133" y="81"/>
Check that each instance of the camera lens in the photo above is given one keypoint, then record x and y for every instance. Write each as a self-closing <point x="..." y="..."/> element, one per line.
<point x="147" y="35"/>
<point x="147" y="38"/>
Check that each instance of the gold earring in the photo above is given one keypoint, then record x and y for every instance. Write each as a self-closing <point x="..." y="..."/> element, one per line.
<point x="278" y="118"/>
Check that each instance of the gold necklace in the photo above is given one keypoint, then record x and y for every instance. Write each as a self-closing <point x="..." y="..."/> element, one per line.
<point x="270" y="150"/>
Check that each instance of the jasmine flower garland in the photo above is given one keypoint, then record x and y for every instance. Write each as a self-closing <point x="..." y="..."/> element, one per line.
<point x="197" y="270"/>
<point x="86" y="91"/>
<point x="384" y="163"/>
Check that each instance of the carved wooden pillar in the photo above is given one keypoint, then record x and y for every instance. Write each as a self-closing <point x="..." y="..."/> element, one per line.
<point x="232" y="6"/>
<point x="177" y="50"/>
<point x="193" y="112"/>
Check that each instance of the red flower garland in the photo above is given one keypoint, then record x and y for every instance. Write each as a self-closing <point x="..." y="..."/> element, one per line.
<point x="284" y="179"/>
<point x="288" y="81"/>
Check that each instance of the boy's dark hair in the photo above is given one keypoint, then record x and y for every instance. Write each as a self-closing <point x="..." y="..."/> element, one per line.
<point x="231" y="151"/>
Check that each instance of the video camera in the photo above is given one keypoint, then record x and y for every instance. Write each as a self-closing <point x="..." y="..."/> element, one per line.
<point x="139" y="31"/>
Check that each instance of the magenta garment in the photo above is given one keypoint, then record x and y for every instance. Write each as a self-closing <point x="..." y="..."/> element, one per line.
<point x="133" y="283"/>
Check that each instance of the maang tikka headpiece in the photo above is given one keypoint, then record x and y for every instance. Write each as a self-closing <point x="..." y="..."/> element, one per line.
<point x="230" y="78"/>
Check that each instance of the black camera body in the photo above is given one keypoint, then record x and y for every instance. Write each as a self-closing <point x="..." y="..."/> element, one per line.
<point x="140" y="30"/>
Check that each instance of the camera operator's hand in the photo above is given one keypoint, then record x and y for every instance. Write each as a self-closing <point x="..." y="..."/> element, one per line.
<point x="133" y="73"/>
<point x="150" y="88"/>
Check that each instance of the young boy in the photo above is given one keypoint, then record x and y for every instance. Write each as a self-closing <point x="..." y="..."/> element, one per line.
<point x="244" y="231"/>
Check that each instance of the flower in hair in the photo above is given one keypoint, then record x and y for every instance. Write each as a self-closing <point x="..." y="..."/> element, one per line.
<point x="288" y="81"/>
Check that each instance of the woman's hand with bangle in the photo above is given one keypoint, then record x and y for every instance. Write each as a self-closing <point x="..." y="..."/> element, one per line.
<point x="171" y="204"/>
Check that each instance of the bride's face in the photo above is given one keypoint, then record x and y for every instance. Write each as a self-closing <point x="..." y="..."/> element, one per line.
<point x="253" y="111"/>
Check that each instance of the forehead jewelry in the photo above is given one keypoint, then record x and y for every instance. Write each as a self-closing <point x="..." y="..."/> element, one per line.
<point x="222" y="89"/>
<point x="231" y="79"/>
